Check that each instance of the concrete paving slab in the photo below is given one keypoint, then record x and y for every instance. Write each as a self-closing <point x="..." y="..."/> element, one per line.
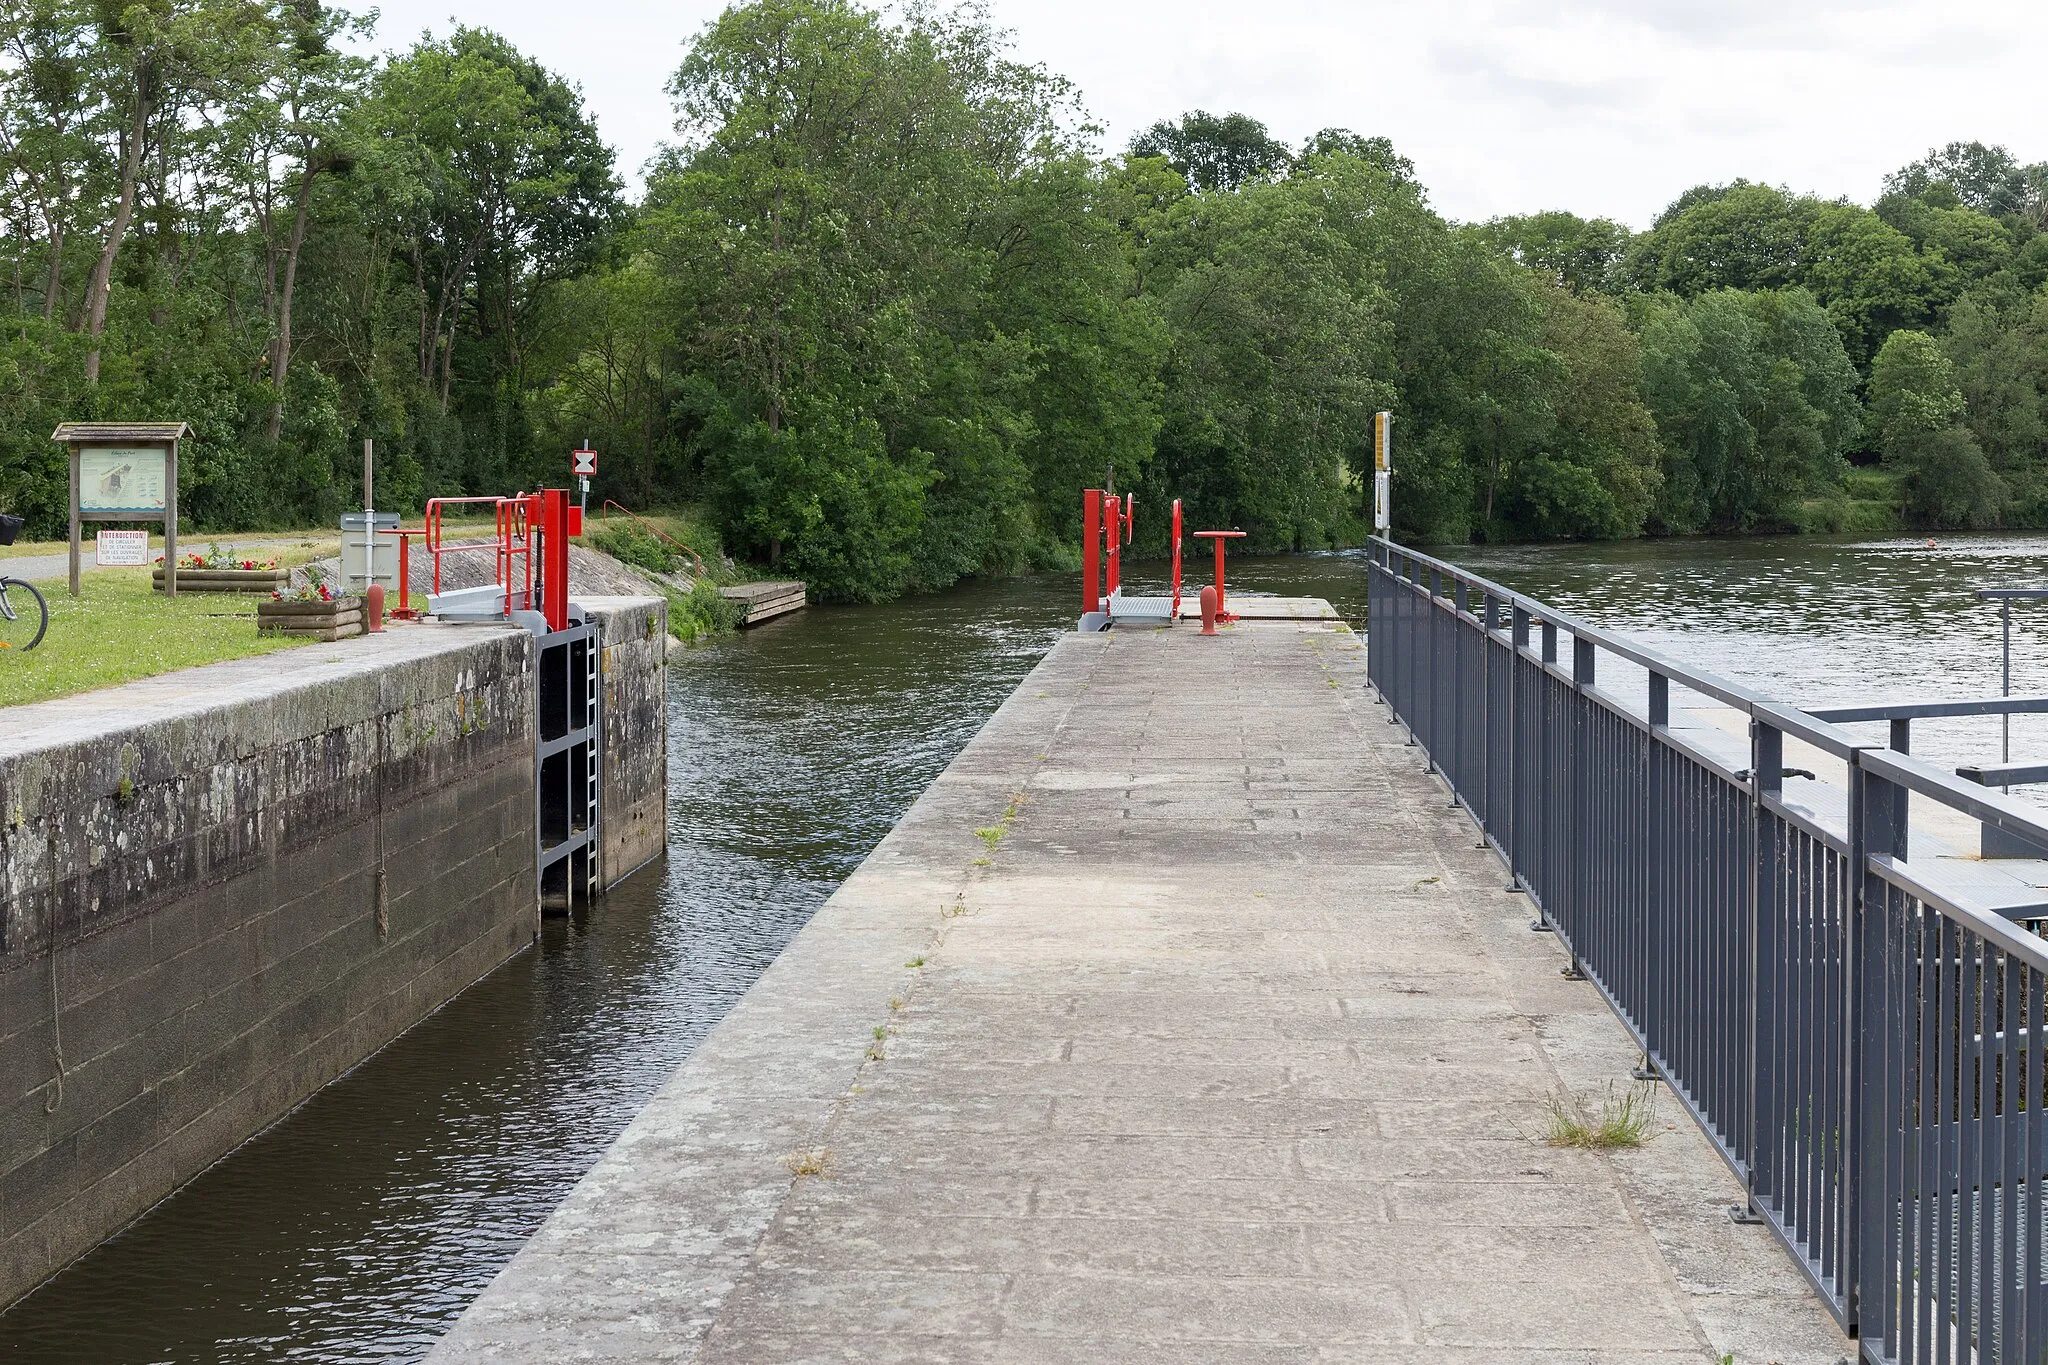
<point x="1228" y="1048"/>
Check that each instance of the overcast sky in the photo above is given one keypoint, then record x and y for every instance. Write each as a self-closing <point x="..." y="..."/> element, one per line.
<point x="1605" y="107"/>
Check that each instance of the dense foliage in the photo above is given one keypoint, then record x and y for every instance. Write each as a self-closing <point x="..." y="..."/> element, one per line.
<point x="884" y="308"/>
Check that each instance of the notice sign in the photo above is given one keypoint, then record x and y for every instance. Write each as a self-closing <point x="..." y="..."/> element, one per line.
<point x="583" y="463"/>
<point x="121" y="549"/>
<point x="120" y="479"/>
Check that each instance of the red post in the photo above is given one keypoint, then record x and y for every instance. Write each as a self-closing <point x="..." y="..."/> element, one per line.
<point x="1219" y="537"/>
<point x="1091" y="549"/>
<point x="554" y="538"/>
<point x="1113" y="523"/>
<point x="373" y="609"/>
<point x="1209" y="610"/>
<point x="404" y="612"/>
<point x="1176" y="559"/>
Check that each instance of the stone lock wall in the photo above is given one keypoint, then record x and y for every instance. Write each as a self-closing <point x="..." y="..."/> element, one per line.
<point x="634" y="712"/>
<point x="222" y="888"/>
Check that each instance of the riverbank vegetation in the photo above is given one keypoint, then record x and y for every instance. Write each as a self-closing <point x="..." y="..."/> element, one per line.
<point x="666" y="546"/>
<point x="886" y="305"/>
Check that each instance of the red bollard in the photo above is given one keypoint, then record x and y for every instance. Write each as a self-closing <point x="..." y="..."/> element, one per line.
<point x="373" y="608"/>
<point x="1209" y="609"/>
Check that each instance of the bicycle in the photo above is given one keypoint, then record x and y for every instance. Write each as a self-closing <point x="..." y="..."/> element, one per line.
<point x="22" y="623"/>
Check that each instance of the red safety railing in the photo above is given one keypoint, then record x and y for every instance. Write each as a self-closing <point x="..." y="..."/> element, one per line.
<point x="1108" y="523"/>
<point x="513" y="544"/>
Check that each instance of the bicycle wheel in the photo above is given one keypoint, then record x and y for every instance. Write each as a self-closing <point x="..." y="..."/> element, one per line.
<point x="24" y="615"/>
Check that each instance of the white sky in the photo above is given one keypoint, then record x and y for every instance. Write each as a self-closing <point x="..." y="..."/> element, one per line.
<point x="1604" y="107"/>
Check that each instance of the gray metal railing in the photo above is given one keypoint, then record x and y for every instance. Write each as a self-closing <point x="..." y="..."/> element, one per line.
<point x="1864" y="1044"/>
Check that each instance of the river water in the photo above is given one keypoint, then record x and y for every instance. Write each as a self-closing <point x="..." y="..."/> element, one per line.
<point x="357" y="1228"/>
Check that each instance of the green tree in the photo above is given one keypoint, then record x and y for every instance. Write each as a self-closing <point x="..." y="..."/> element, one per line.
<point x="1278" y="334"/>
<point x="1869" y="277"/>
<point x="1216" y="152"/>
<point x="493" y="186"/>
<point x="1987" y="179"/>
<point x="2001" y="366"/>
<point x="1582" y="254"/>
<point x="1599" y="475"/>
<point x="1742" y="237"/>
<point x="1915" y="411"/>
<point x="1755" y="404"/>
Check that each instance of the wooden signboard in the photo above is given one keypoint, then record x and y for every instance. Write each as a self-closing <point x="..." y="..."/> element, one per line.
<point x="125" y="471"/>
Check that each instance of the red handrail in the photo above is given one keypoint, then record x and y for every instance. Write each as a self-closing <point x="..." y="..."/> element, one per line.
<point x="514" y="541"/>
<point x="604" y="515"/>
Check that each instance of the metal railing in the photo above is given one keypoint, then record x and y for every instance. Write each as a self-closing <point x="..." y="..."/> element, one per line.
<point x="1863" y="1043"/>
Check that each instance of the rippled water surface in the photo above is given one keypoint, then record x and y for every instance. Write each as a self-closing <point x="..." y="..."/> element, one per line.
<point x="1817" y="620"/>
<point x="356" y="1229"/>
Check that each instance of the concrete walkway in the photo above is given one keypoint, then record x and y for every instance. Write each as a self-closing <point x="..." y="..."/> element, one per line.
<point x="1219" y="1043"/>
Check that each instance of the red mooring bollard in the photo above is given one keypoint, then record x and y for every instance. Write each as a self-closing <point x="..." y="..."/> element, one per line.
<point x="373" y="608"/>
<point x="1209" y="609"/>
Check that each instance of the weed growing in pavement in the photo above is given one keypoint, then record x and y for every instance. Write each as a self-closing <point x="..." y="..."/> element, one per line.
<point x="807" y="1161"/>
<point x="1622" y="1120"/>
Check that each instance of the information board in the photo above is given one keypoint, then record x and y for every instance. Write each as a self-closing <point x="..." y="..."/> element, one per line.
<point x="121" y="549"/>
<point x="120" y="479"/>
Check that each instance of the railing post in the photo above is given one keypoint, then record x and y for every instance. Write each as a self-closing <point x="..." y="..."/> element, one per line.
<point x="1517" y="836"/>
<point x="1656" y="773"/>
<point x="1543" y="886"/>
<point x="1413" y="706"/>
<point x="1766" y="780"/>
<point x="1902" y="742"/>
<point x="1490" y="750"/>
<point x="1430" y="704"/>
<point x="1876" y="826"/>
<point x="1575" y="741"/>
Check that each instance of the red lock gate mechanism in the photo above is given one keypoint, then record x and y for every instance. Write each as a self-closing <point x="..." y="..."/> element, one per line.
<point x="529" y="558"/>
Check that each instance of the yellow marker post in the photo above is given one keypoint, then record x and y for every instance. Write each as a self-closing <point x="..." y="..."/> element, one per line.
<point x="1382" y="470"/>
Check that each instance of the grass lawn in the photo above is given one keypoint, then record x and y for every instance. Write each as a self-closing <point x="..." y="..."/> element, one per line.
<point x="122" y="629"/>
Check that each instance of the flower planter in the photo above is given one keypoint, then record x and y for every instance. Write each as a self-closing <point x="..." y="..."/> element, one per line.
<point x="315" y="620"/>
<point x="264" y="581"/>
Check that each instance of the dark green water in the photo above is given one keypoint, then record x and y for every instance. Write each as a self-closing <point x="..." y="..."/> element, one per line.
<point x="359" y="1227"/>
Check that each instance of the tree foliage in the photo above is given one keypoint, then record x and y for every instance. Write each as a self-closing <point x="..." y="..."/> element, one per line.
<point x="1215" y="152"/>
<point x="885" y="308"/>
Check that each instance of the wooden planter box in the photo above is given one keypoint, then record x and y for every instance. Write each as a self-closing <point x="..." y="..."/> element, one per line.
<point x="317" y="620"/>
<point x="264" y="581"/>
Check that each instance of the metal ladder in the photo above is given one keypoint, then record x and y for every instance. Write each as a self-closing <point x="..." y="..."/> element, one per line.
<point x="592" y="749"/>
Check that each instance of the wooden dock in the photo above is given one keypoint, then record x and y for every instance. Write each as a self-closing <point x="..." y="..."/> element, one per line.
<point x="766" y="601"/>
